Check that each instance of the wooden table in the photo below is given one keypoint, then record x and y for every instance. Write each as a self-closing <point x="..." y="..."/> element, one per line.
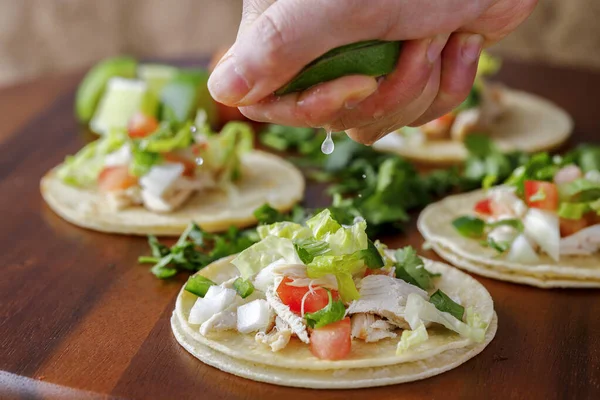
<point x="81" y="319"/>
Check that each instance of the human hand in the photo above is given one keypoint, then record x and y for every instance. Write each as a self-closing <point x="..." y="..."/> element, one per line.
<point x="442" y="43"/>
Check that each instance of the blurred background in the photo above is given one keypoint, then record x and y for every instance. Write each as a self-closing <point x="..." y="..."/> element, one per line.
<point x="51" y="36"/>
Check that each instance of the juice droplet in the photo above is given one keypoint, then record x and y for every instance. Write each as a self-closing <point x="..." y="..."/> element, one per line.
<point x="328" y="146"/>
<point x="199" y="160"/>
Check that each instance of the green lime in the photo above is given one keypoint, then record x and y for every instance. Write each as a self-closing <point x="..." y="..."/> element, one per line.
<point x="94" y="83"/>
<point x="372" y="58"/>
<point x="121" y="100"/>
<point x="157" y="76"/>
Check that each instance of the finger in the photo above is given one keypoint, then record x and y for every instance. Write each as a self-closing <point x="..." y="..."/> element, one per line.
<point x="316" y="106"/>
<point x="251" y="10"/>
<point x="459" y="66"/>
<point x="289" y="34"/>
<point x="398" y="89"/>
<point x="370" y="133"/>
<point x="500" y="18"/>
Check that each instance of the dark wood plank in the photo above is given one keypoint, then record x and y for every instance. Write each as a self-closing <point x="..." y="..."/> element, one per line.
<point x="78" y="311"/>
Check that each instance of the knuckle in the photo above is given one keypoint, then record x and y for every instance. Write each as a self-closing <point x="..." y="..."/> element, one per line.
<point x="271" y="32"/>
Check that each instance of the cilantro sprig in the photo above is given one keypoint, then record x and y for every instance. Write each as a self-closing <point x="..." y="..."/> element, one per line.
<point x="411" y="268"/>
<point x="334" y="311"/>
<point x="442" y="302"/>
<point x="196" y="248"/>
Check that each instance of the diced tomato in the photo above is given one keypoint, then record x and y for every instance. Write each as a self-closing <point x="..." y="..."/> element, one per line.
<point x="141" y="125"/>
<point x="188" y="164"/>
<point x="331" y="342"/>
<point x="484" y="207"/>
<point x="115" y="178"/>
<point x="571" y="226"/>
<point x="545" y="195"/>
<point x="292" y="296"/>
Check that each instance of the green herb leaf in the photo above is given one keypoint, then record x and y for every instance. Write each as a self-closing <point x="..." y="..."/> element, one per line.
<point x="411" y="268"/>
<point x="198" y="285"/>
<point x="334" y="311"/>
<point x="310" y="248"/>
<point x="500" y="247"/>
<point x="581" y="190"/>
<point x="469" y="226"/>
<point x="195" y="249"/>
<point x="243" y="287"/>
<point x="512" y="222"/>
<point x="442" y="302"/>
<point x="371" y="256"/>
<point x="158" y="250"/>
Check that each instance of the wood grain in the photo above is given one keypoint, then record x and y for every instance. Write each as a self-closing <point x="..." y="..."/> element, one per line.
<point x="79" y="312"/>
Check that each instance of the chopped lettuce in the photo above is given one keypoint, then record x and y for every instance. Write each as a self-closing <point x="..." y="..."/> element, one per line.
<point x="343" y="268"/>
<point x="573" y="210"/>
<point x="83" y="168"/>
<point x="142" y="161"/>
<point x="263" y="253"/>
<point x="285" y="229"/>
<point x="310" y="248"/>
<point x="412" y="338"/>
<point x="224" y="151"/>
<point x="341" y="239"/>
<point x="168" y="137"/>
<point x="419" y="310"/>
<point x="334" y="311"/>
<point x="323" y="224"/>
<point x="348" y="240"/>
<point x="582" y="190"/>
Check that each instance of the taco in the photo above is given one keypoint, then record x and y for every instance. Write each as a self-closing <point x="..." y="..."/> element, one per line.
<point x="156" y="182"/>
<point x="515" y="120"/>
<point x="322" y="306"/>
<point x="541" y="228"/>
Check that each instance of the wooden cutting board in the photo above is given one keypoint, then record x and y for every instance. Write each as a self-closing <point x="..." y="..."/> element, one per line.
<point x="81" y="319"/>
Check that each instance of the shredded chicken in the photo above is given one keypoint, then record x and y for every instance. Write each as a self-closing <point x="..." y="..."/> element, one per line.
<point x="384" y="296"/>
<point x="296" y="324"/>
<point x="121" y="199"/>
<point x="370" y="328"/>
<point x="278" y="337"/>
<point x="299" y="276"/>
<point x="168" y="202"/>
<point x="584" y="242"/>
<point x="221" y="321"/>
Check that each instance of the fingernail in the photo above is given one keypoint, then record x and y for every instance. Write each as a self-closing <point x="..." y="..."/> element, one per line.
<point x="435" y="47"/>
<point x="471" y="48"/>
<point x="226" y="85"/>
<point x="354" y="99"/>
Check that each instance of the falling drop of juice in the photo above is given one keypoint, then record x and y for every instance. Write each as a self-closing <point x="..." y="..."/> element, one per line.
<point x="328" y="146"/>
